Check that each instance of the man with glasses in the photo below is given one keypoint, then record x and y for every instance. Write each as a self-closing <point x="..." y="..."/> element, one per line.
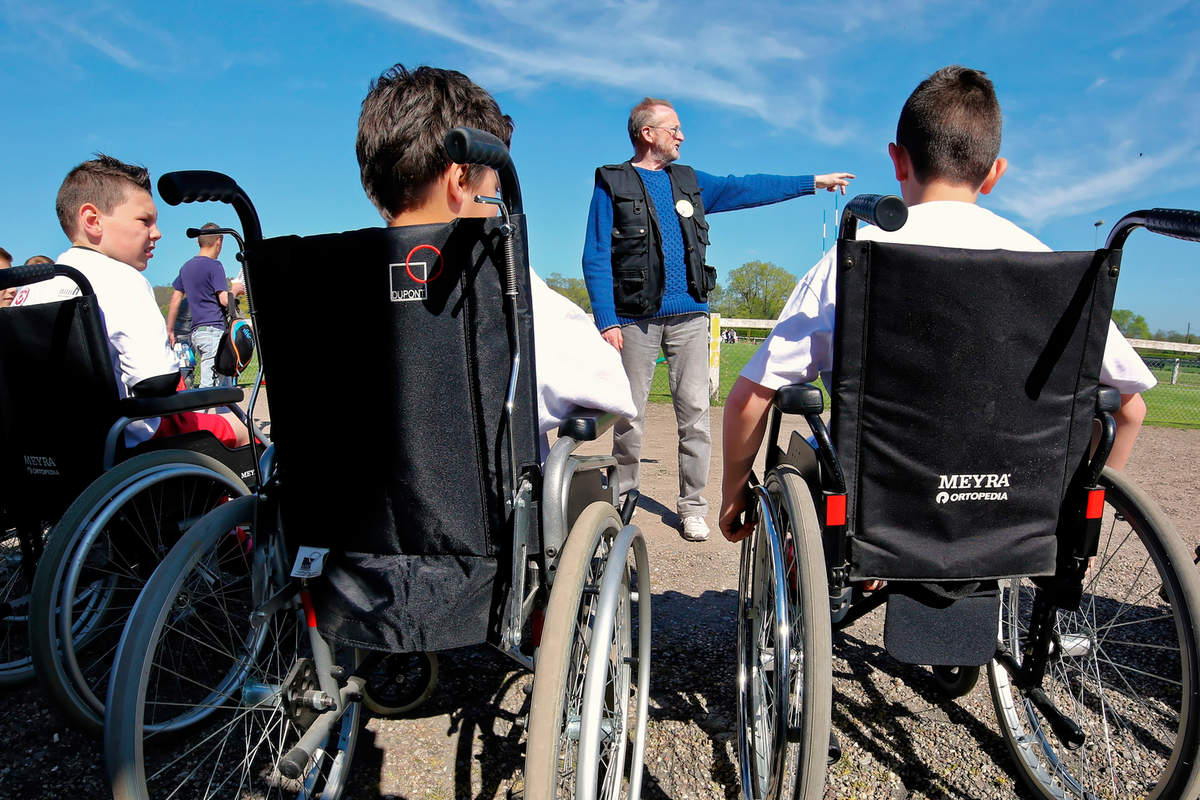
<point x="643" y="262"/>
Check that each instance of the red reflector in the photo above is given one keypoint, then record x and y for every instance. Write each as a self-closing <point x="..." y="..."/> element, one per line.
<point x="310" y="613"/>
<point x="1095" y="504"/>
<point x="835" y="509"/>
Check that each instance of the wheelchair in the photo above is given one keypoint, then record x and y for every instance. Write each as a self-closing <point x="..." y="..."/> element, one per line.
<point x="88" y="517"/>
<point x="971" y="507"/>
<point x="247" y="659"/>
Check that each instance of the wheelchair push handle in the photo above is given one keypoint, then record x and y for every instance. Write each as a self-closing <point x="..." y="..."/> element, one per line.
<point x="1180" y="223"/>
<point x="473" y="146"/>
<point x="36" y="273"/>
<point x="886" y="211"/>
<point x="202" y="185"/>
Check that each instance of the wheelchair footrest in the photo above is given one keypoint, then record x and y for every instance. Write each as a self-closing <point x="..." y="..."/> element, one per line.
<point x="940" y="624"/>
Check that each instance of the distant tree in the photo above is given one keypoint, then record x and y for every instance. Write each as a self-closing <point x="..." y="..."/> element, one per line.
<point x="758" y="290"/>
<point x="574" y="289"/>
<point x="718" y="301"/>
<point x="1133" y="326"/>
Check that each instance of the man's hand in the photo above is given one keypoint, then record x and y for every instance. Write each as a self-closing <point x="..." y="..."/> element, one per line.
<point x="171" y="337"/>
<point x="730" y="520"/>
<point x="834" y="181"/>
<point x="613" y="336"/>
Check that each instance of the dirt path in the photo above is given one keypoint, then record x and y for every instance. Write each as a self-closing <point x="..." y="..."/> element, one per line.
<point x="900" y="739"/>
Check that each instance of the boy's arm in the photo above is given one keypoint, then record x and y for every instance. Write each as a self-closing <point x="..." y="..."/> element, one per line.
<point x="173" y="313"/>
<point x="1129" y="423"/>
<point x="745" y="423"/>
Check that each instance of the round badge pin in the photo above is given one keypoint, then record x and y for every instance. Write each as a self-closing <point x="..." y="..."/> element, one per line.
<point x="684" y="209"/>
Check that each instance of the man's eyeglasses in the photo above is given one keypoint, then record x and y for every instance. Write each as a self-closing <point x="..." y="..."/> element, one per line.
<point x="674" y="130"/>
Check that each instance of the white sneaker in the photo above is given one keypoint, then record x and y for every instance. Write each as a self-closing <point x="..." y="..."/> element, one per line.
<point x="695" y="529"/>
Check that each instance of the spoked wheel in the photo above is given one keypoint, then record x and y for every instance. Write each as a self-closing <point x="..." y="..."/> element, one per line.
<point x="584" y="700"/>
<point x="400" y="682"/>
<point x="217" y="679"/>
<point x="764" y="656"/>
<point x="18" y="550"/>
<point x="810" y="673"/>
<point x="97" y="560"/>
<point x="1123" y="666"/>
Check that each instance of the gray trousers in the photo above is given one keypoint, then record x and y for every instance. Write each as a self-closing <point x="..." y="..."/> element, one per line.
<point x="684" y="341"/>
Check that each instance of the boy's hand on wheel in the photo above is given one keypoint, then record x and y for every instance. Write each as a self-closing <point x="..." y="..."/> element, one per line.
<point x="733" y="527"/>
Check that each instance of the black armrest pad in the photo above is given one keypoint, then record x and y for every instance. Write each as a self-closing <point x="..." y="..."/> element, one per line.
<point x="191" y="400"/>
<point x="158" y="386"/>
<point x="1108" y="399"/>
<point x="586" y="428"/>
<point x="800" y="398"/>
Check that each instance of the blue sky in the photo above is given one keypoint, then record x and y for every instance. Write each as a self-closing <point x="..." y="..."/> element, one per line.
<point x="1101" y="102"/>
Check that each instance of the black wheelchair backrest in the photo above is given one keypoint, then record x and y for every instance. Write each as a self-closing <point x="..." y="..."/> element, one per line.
<point x="403" y="474"/>
<point x="58" y="397"/>
<point x="964" y="392"/>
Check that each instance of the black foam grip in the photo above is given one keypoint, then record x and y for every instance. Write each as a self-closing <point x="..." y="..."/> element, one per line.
<point x="886" y="211"/>
<point x="192" y="233"/>
<point x="195" y="186"/>
<point x="1181" y="223"/>
<point x="23" y="276"/>
<point x="472" y="146"/>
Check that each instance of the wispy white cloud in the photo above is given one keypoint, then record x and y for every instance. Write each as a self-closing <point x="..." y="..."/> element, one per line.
<point x="705" y="51"/>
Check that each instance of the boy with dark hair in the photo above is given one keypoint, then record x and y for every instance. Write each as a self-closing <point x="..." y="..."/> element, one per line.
<point x="106" y="210"/>
<point x="945" y="155"/>
<point x="410" y="178"/>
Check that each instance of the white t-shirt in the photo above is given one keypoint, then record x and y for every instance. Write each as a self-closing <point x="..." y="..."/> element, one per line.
<point x="137" y="332"/>
<point x="576" y="369"/>
<point x="801" y="345"/>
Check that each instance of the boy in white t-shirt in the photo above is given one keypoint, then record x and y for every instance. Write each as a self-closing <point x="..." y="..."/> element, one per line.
<point x="411" y="180"/>
<point x="945" y="155"/>
<point x="106" y="210"/>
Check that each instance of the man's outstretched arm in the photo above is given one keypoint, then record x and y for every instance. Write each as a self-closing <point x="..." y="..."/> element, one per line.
<point x="745" y="423"/>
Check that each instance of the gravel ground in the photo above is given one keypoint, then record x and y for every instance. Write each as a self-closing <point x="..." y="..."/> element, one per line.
<point x="900" y="739"/>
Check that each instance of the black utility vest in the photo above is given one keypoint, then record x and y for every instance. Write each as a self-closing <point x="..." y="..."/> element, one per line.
<point x="639" y="277"/>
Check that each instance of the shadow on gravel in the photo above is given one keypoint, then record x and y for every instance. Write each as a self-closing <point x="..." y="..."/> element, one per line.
<point x="897" y="725"/>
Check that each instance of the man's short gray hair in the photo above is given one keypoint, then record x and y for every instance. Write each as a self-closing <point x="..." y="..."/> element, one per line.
<point x="642" y="115"/>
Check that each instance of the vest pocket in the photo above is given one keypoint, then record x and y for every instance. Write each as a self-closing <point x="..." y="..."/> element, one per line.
<point x="710" y="279"/>
<point x="630" y="240"/>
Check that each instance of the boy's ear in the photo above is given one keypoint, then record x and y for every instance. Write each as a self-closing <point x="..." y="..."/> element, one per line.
<point x="999" y="167"/>
<point x="900" y="162"/>
<point x="88" y="222"/>
<point x="457" y="190"/>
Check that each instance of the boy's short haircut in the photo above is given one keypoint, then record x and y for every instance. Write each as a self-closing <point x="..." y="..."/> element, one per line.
<point x="950" y="126"/>
<point x="404" y="118"/>
<point x="5" y="255"/>
<point x="209" y="239"/>
<point x="103" y="181"/>
<point x="642" y="114"/>
<point x="39" y="259"/>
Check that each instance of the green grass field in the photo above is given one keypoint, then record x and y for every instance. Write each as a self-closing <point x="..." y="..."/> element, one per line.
<point x="1173" y="406"/>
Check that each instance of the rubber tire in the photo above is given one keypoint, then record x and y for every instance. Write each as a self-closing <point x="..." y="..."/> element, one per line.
<point x="413" y="697"/>
<point x="810" y="699"/>
<point x="165" y="593"/>
<point x="81" y="703"/>
<point x="554" y="664"/>
<point x="955" y="681"/>
<point x="1166" y="555"/>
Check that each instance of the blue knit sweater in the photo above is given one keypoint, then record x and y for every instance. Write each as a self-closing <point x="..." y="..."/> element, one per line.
<point x="719" y="194"/>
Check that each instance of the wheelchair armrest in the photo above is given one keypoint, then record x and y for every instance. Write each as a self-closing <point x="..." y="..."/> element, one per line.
<point x="800" y="398"/>
<point x="586" y="428"/>
<point x="191" y="400"/>
<point x="1108" y="399"/>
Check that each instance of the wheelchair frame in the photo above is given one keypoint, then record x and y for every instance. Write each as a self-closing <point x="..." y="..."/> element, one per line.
<point x="1046" y="634"/>
<point x="579" y="719"/>
<point x="52" y="636"/>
